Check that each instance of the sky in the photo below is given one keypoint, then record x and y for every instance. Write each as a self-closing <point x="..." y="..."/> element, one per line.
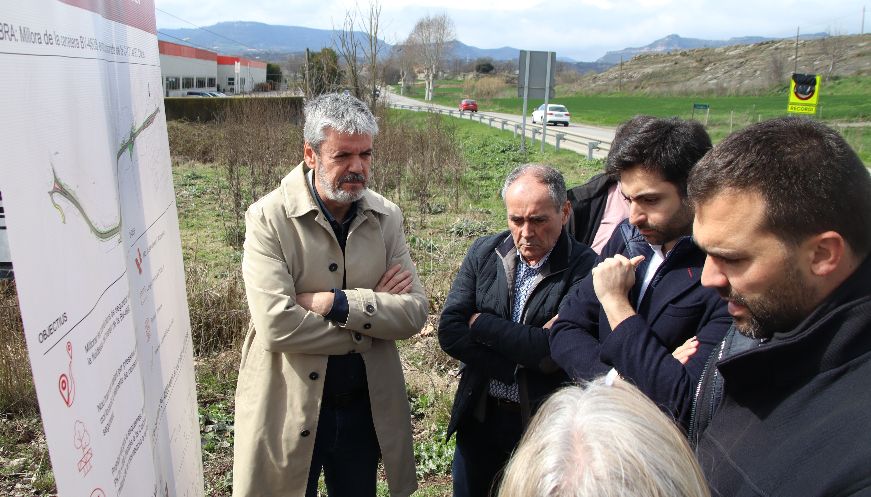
<point x="580" y="29"/>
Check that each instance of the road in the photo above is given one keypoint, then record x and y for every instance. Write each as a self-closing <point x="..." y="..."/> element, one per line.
<point x="576" y="136"/>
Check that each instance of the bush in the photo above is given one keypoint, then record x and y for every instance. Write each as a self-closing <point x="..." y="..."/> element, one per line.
<point x="17" y="394"/>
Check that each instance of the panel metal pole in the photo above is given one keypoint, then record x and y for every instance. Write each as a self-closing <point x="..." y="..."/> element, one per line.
<point x="525" y="101"/>
<point x="546" y="98"/>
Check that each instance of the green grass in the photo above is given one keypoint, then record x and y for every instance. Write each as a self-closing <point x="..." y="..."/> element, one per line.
<point x="842" y="100"/>
<point x="203" y="220"/>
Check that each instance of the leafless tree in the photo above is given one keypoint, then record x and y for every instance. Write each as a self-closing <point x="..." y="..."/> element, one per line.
<point x="347" y="46"/>
<point x="429" y="41"/>
<point x="404" y="59"/>
<point x="833" y="49"/>
<point x="370" y="25"/>
<point x="358" y="45"/>
<point x="776" y="69"/>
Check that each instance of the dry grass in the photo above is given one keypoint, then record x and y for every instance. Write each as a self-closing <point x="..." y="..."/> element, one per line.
<point x="17" y="395"/>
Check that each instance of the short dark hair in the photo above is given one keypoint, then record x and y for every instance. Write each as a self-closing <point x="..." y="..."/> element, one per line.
<point x="810" y="178"/>
<point x="669" y="147"/>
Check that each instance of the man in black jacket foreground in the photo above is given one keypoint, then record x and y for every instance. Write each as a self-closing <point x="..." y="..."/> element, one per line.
<point x="783" y="211"/>
<point x="496" y="319"/>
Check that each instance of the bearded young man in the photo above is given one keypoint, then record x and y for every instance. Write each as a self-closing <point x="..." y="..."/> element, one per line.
<point x="644" y="299"/>
<point x="330" y="286"/>
<point x="783" y="211"/>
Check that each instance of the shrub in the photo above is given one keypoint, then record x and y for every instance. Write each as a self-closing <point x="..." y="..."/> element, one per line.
<point x="17" y="394"/>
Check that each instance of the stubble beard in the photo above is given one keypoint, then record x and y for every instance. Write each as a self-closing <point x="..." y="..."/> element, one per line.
<point x="780" y="309"/>
<point x="681" y="224"/>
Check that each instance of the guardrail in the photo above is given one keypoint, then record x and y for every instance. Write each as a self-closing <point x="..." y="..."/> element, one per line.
<point x="592" y="144"/>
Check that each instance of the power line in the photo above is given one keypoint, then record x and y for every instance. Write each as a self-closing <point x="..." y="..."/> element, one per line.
<point x="185" y="41"/>
<point x="204" y="29"/>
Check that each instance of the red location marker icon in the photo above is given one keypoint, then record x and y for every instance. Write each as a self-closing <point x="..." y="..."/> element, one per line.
<point x="66" y="393"/>
<point x="65" y="382"/>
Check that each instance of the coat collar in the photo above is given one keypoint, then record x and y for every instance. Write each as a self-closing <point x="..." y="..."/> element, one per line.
<point x="299" y="201"/>
<point x="559" y="260"/>
<point x="835" y="333"/>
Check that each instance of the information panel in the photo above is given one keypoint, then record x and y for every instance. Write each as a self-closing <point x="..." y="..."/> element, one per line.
<point x="93" y="234"/>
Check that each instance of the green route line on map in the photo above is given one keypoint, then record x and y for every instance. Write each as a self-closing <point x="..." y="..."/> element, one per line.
<point x="59" y="188"/>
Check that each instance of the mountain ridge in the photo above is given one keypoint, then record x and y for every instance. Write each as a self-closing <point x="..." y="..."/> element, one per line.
<point x="248" y="38"/>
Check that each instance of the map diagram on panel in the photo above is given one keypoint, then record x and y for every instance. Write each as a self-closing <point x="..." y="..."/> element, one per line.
<point x="60" y="189"/>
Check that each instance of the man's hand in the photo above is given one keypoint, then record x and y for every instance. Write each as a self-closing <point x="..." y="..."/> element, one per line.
<point x="687" y="350"/>
<point x="615" y="276"/>
<point x="612" y="280"/>
<point x="550" y="323"/>
<point x="472" y="318"/>
<point x="395" y="280"/>
<point x="318" y="302"/>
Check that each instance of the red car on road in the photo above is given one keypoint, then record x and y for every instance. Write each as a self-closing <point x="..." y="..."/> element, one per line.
<point x="468" y="104"/>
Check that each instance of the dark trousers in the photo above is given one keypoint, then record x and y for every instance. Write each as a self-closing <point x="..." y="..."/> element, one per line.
<point x="347" y="449"/>
<point x="483" y="449"/>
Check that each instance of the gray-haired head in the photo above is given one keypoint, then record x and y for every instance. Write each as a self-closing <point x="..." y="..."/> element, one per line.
<point x="340" y="112"/>
<point x="602" y="440"/>
<point x="546" y="175"/>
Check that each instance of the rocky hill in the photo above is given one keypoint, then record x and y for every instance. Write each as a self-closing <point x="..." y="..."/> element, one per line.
<point x="733" y="70"/>
<point x="675" y="42"/>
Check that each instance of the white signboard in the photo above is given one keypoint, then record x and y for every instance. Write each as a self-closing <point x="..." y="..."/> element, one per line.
<point x="93" y="233"/>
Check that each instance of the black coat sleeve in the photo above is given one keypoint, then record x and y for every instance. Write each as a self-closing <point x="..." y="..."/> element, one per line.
<point x="574" y="341"/>
<point x="454" y="334"/>
<point x="641" y="357"/>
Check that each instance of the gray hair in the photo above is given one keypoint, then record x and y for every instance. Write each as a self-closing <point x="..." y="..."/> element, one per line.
<point x="340" y="112"/>
<point x="546" y="175"/>
<point x="602" y="440"/>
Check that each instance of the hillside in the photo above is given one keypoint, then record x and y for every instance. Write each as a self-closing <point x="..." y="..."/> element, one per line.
<point x="733" y="70"/>
<point x="674" y="42"/>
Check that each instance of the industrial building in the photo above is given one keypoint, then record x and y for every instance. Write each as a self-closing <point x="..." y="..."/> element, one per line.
<point x="186" y="69"/>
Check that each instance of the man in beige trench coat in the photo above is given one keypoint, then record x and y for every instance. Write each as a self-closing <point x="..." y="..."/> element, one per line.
<point x="330" y="286"/>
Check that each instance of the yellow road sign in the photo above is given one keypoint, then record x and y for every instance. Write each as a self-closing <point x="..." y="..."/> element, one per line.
<point x="804" y="93"/>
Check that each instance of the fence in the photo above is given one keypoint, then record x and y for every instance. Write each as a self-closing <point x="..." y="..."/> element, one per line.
<point x="584" y="144"/>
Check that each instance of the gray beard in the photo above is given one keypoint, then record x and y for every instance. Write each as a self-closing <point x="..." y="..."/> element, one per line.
<point x="337" y="194"/>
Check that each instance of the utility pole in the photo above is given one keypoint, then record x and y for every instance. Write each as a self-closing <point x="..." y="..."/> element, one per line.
<point x="306" y="75"/>
<point x="795" y="68"/>
<point x="862" y="31"/>
<point x="620" y="84"/>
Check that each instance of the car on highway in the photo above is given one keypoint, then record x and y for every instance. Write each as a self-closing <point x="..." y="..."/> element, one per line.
<point x="467" y="104"/>
<point x="556" y="114"/>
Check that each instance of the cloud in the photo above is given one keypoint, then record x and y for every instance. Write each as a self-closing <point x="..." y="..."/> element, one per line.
<point x="581" y="29"/>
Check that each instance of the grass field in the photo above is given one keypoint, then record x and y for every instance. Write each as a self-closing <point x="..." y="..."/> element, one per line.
<point x="843" y="101"/>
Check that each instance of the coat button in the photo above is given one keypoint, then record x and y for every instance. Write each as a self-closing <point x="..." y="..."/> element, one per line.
<point x="305" y="433"/>
<point x="314" y="375"/>
<point x="367" y="326"/>
<point x="334" y="267"/>
<point x="358" y="336"/>
<point x="370" y="308"/>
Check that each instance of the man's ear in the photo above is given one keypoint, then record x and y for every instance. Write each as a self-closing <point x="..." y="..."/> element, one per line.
<point x="827" y="251"/>
<point x="308" y="155"/>
<point x="565" y="211"/>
